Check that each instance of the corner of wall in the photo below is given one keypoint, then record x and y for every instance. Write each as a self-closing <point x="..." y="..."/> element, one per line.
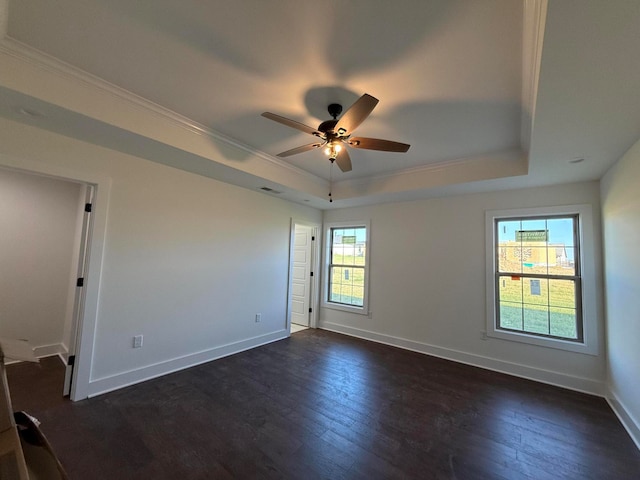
<point x="631" y="425"/>
<point x="620" y="234"/>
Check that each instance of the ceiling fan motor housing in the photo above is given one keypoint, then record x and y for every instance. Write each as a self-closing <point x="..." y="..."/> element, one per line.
<point x="327" y="126"/>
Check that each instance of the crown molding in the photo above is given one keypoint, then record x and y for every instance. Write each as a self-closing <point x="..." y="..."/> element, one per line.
<point x="404" y="180"/>
<point x="515" y="155"/>
<point x="4" y="18"/>
<point x="533" y="26"/>
<point x="462" y="170"/>
<point x="37" y="58"/>
<point x="506" y="164"/>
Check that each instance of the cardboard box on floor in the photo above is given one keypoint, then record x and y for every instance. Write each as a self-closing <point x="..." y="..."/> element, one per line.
<point x="20" y="460"/>
<point x="12" y="462"/>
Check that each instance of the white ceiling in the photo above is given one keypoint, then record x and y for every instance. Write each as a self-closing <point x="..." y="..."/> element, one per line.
<point x="456" y="79"/>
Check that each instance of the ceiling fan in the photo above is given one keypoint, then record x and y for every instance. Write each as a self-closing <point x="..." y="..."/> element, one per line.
<point x="334" y="134"/>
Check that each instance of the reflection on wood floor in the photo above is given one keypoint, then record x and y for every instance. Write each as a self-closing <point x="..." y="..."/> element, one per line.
<point x="297" y="328"/>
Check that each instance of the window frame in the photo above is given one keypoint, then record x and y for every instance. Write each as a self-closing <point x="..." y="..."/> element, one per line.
<point x="326" y="303"/>
<point x="586" y="297"/>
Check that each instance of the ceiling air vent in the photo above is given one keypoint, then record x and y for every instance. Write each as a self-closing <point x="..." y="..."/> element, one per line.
<point x="270" y="190"/>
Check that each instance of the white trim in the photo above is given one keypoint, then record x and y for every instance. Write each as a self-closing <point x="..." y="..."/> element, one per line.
<point x="364" y="310"/>
<point x="64" y="355"/>
<point x="316" y="254"/>
<point x="514" y="157"/>
<point x="571" y="382"/>
<point x="315" y="268"/>
<point x="98" y="228"/>
<point x="55" y="349"/>
<point x="27" y="63"/>
<point x="534" y="21"/>
<point x="590" y="344"/>
<point x="63" y="359"/>
<point x="49" y="350"/>
<point x="42" y="60"/>
<point x="631" y="425"/>
<point x="4" y="19"/>
<point x="138" y="375"/>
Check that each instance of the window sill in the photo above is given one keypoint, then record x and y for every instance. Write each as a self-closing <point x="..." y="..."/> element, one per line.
<point x="559" y="344"/>
<point x="345" y="308"/>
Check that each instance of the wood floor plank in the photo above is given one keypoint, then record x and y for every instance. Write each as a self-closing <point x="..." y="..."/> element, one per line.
<point x="322" y="405"/>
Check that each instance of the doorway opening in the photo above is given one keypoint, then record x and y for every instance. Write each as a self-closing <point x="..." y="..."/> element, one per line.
<point x="50" y="221"/>
<point x="304" y="262"/>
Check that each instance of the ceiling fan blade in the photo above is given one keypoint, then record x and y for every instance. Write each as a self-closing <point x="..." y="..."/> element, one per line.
<point x="356" y="114"/>
<point x="304" y="148"/>
<point x="343" y="160"/>
<point x="292" y="123"/>
<point x="378" y="144"/>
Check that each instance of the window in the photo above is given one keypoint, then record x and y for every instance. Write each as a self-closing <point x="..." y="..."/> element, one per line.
<point x="347" y="262"/>
<point x="538" y="276"/>
<point x="536" y="283"/>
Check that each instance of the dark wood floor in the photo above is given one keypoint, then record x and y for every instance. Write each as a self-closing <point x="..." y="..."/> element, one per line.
<point x="323" y="405"/>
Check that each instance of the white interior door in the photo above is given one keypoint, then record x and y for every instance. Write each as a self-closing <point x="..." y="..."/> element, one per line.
<point x="78" y="308"/>
<point x="301" y="275"/>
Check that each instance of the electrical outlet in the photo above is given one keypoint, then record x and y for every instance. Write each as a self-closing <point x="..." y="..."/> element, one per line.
<point x="137" y="341"/>
<point x="258" y="317"/>
<point x="484" y="335"/>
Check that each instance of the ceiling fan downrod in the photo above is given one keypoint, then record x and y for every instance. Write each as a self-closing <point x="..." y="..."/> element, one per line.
<point x="334" y="109"/>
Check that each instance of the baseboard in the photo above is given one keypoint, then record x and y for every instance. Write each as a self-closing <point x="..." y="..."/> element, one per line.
<point x="50" y="350"/>
<point x="571" y="382"/>
<point x="64" y="354"/>
<point x="631" y="425"/>
<point x="131" y="377"/>
<point x="45" y="351"/>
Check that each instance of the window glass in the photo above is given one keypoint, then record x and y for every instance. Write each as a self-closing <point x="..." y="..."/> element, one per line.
<point x="538" y="289"/>
<point x="347" y="265"/>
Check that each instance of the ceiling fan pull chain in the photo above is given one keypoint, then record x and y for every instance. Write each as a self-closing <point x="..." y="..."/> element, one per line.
<point x="331" y="179"/>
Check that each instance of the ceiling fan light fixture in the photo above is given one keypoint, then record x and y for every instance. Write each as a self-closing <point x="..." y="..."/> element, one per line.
<point x="332" y="149"/>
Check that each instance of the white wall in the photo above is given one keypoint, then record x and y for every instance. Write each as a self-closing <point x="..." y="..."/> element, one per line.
<point x="621" y="231"/>
<point x="38" y="218"/>
<point x="187" y="261"/>
<point x="427" y="283"/>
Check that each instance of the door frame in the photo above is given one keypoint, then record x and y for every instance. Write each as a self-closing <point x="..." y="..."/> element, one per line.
<point x="316" y="247"/>
<point x="86" y="328"/>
